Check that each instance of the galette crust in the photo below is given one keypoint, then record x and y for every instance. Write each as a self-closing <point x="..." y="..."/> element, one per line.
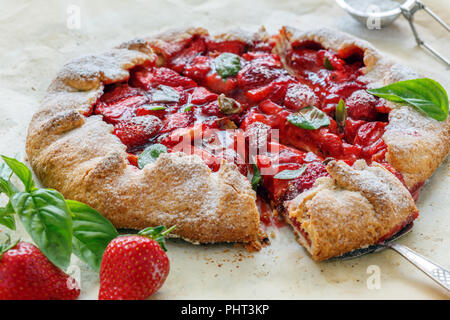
<point x="354" y="208"/>
<point x="417" y="144"/>
<point x="82" y="158"/>
<point x="165" y="43"/>
<point x="347" y="212"/>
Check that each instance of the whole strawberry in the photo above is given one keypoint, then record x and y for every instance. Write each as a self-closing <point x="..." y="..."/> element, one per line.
<point x="134" y="267"/>
<point x="26" y="274"/>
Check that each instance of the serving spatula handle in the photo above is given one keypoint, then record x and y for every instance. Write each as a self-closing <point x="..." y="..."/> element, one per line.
<point x="434" y="271"/>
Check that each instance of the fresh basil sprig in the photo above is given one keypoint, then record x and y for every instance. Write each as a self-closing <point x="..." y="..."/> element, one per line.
<point x="290" y="174"/>
<point x="256" y="178"/>
<point x="56" y="225"/>
<point x="150" y="154"/>
<point x="424" y="94"/>
<point x="309" y="118"/>
<point x="227" y="65"/>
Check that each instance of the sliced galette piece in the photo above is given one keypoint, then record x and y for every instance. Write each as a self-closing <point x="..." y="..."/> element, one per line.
<point x="356" y="206"/>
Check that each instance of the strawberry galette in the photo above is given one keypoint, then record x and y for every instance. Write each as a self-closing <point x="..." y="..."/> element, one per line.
<point x="188" y="129"/>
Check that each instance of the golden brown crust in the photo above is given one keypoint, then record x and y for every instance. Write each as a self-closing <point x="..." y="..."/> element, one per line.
<point x="164" y="43"/>
<point x="81" y="157"/>
<point x="354" y="208"/>
<point x="417" y="144"/>
<point x="89" y="164"/>
<point x="238" y="34"/>
<point x="89" y="72"/>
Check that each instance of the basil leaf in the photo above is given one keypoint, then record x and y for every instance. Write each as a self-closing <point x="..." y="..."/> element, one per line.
<point x="47" y="219"/>
<point x="5" y="184"/>
<point x="5" y="172"/>
<point x="327" y="64"/>
<point x="290" y="174"/>
<point x="7" y="245"/>
<point x="165" y="94"/>
<point x="8" y="209"/>
<point x="8" y="221"/>
<point x="91" y="233"/>
<point x="256" y="179"/>
<point x="6" y="187"/>
<point x="7" y="217"/>
<point x="5" y="175"/>
<point x="188" y="108"/>
<point x="341" y="115"/>
<point x="150" y="154"/>
<point x="309" y="118"/>
<point x="227" y="64"/>
<point x="423" y="94"/>
<point x="21" y="171"/>
<point x="156" y="108"/>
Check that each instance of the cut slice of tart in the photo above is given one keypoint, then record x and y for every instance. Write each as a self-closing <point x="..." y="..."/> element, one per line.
<point x="355" y="207"/>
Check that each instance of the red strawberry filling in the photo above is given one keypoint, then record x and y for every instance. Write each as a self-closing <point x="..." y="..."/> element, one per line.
<point x="232" y="46"/>
<point x="178" y="105"/>
<point x="185" y="57"/>
<point x="362" y="106"/>
<point x="147" y="78"/>
<point x="137" y="130"/>
<point x="280" y="158"/>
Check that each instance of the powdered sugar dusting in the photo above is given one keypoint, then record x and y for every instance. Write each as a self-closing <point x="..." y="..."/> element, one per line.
<point x="300" y="95"/>
<point x="386" y="193"/>
<point x="179" y="189"/>
<point x="87" y="72"/>
<point x="416" y="144"/>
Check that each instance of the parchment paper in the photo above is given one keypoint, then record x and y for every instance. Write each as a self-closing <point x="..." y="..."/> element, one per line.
<point x="36" y="39"/>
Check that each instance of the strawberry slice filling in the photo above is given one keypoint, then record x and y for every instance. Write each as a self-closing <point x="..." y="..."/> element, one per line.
<point x="180" y="102"/>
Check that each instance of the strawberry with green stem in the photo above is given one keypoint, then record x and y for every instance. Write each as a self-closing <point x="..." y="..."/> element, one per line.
<point x="134" y="266"/>
<point x="60" y="227"/>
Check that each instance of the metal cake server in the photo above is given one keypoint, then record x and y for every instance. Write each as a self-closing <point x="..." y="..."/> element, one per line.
<point x="439" y="274"/>
<point x="406" y="8"/>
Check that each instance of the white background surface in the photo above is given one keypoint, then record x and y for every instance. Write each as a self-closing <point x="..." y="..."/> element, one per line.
<point x="35" y="42"/>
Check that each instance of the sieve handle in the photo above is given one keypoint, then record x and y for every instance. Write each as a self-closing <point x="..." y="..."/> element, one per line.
<point x="408" y="11"/>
